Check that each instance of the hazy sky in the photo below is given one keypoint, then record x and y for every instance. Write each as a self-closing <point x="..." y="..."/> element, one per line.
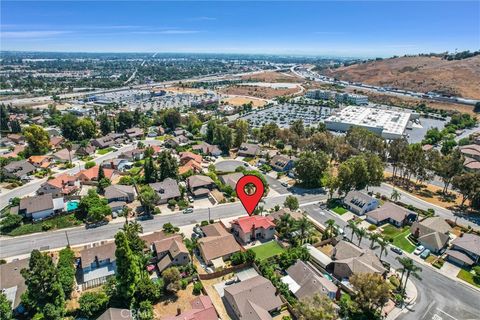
<point x="348" y="28"/>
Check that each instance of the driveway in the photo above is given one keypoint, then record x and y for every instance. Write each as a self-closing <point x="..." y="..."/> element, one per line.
<point x="230" y="165"/>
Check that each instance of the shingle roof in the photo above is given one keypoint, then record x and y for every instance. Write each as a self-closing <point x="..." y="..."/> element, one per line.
<point x="214" y="247"/>
<point x="118" y="191"/>
<point x="37" y="203"/>
<point x="389" y="210"/>
<point x="11" y="278"/>
<point x="309" y="281"/>
<point x="469" y="242"/>
<point x="167" y="189"/>
<point x="116" y="314"/>
<point x="199" y="181"/>
<point x="101" y="252"/>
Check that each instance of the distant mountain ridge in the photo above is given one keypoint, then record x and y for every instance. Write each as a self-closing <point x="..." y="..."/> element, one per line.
<point x="417" y="73"/>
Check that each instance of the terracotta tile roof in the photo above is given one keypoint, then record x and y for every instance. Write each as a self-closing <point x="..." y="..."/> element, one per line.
<point x="187" y="156"/>
<point x="92" y="173"/>
<point x="246" y="223"/>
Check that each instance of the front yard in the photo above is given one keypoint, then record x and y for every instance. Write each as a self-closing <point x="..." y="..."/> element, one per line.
<point x="59" y="222"/>
<point x="267" y="250"/>
<point x="399" y="237"/>
<point x="104" y="151"/>
<point x="336" y="206"/>
<point x="468" y="277"/>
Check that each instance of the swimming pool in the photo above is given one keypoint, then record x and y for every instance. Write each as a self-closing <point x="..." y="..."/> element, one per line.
<point x="72" y="205"/>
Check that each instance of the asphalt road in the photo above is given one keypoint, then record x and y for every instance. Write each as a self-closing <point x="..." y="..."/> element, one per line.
<point x="439" y="297"/>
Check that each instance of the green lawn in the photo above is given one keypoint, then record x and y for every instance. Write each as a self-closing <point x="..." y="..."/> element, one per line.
<point x="468" y="277"/>
<point x="399" y="236"/>
<point x="104" y="151"/>
<point x="60" y="222"/>
<point x="339" y="210"/>
<point x="267" y="250"/>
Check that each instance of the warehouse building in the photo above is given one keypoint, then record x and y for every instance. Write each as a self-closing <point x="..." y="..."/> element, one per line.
<point x="387" y="123"/>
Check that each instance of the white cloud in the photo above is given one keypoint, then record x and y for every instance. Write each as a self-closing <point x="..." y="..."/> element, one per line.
<point x="31" y="34"/>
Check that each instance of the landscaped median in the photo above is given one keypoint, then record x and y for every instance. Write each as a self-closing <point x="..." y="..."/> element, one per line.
<point x="398" y="237"/>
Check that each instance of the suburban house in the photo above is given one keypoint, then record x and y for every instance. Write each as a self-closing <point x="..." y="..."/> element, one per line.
<point x="134" y="133"/>
<point x="282" y="163"/>
<point x="13" y="283"/>
<point x="465" y="250"/>
<point x="471" y="153"/>
<point x="120" y="192"/>
<point x="180" y="132"/>
<point x="89" y="175"/>
<point x="202" y="309"/>
<point x="64" y="155"/>
<point x="16" y="138"/>
<point x="42" y="162"/>
<point x="252" y="228"/>
<point x="277" y="215"/>
<point x="133" y="155"/>
<point x="96" y="264"/>
<point x="231" y="179"/>
<point x="217" y="246"/>
<point x="199" y="185"/>
<point x="167" y="190"/>
<point x="40" y="207"/>
<point x="117" y="164"/>
<point x="170" y="251"/>
<point x="56" y="142"/>
<point x="207" y="149"/>
<point x="254" y="298"/>
<point x="304" y="281"/>
<point x="188" y="156"/>
<point x="109" y="140"/>
<point x="18" y="170"/>
<point x="432" y="233"/>
<point x="177" y="141"/>
<point x="391" y="213"/>
<point x="248" y="150"/>
<point x="61" y="185"/>
<point x="85" y="151"/>
<point x="348" y="259"/>
<point x="192" y="166"/>
<point x="116" y="314"/>
<point x="360" y="203"/>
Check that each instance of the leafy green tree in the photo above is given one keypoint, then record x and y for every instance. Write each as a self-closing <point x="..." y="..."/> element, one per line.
<point x="311" y="167"/>
<point x="10" y="222"/>
<point x="193" y="123"/>
<point x="268" y="132"/>
<point x="102" y="184"/>
<point x="88" y="129"/>
<point x="44" y="292"/>
<point x="66" y="270"/>
<point x="468" y="185"/>
<point x="172" y="277"/>
<point x="92" y="304"/>
<point x="5" y="308"/>
<point x="372" y="292"/>
<point x="94" y="208"/>
<point x="409" y="269"/>
<point x="70" y="128"/>
<point x="241" y="132"/>
<point x="133" y="231"/>
<point x="37" y="139"/>
<point x="128" y="271"/>
<point x="291" y="202"/>
<point x="145" y="311"/>
<point x="105" y="124"/>
<point x="318" y="307"/>
<point x="224" y="138"/>
<point x="448" y="167"/>
<point x="172" y="118"/>
<point x="147" y="289"/>
<point x="124" y="121"/>
<point x="149" y="198"/>
<point x="168" y="166"/>
<point x="298" y="128"/>
<point x="149" y="170"/>
<point x="170" y="228"/>
<point x="3" y="116"/>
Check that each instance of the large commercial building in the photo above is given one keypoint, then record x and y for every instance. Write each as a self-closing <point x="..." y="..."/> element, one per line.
<point x="345" y="98"/>
<point x="387" y="123"/>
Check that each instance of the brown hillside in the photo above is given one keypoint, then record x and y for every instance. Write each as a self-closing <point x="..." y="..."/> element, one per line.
<point x="422" y="74"/>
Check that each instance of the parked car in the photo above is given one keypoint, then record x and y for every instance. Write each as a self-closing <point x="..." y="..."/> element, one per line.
<point x="188" y="210"/>
<point x="232" y="281"/>
<point x="425" y="254"/>
<point x="198" y="231"/>
<point x="419" y="250"/>
<point x="284" y="184"/>
<point x="396" y="250"/>
<point x="144" y="217"/>
<point x="190" y="199"/>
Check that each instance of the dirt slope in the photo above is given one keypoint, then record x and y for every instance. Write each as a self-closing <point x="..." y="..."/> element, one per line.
<point x="423" y="74"/>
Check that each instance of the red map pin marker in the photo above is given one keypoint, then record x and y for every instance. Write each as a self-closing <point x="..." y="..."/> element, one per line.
<point x="250" y="201"/>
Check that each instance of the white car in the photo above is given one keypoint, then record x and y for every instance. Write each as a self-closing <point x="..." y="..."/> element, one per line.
<point x="419" y="250"/>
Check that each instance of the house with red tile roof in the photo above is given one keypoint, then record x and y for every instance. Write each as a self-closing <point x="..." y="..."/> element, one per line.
<point x="40" y="161"/>
<point x="91" y="174"/>
<point x="192" y="165"/>
<point x="59" y="186"/>
<point x="253" y="228"/>
<point x="202" y="309"/>
<point x="55" y="142"/>
<point x="188" y="156"/>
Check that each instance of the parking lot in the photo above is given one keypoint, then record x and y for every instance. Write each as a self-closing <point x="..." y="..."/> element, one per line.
<point x="284" y="114"/>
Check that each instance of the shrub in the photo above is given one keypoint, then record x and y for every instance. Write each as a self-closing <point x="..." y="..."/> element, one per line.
<point x="172" y="203"/>
<point x="183" y="284"/>
<point x="90" y="164"/>
<point x="204" y="223"/>
<point x="92" y="303"/>
<point x="197" y="288"/>
<point x="46" y="226"/>
<point x="372" y="227"/>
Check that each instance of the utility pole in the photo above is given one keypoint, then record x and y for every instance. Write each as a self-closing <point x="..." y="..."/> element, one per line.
<point x="209" y="215"/>
<point x="68" y="241"/>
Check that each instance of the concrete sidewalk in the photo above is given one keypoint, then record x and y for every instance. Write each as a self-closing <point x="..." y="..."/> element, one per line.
<point x="411" y="295"/>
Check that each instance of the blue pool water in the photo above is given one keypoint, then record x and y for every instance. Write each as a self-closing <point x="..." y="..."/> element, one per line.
<point x="72" y="205"/>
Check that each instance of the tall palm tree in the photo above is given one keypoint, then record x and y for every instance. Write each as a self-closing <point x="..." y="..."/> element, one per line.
<point x="383" y="245"/>
<point x="395" y="196"/>
<point x="330" y="227"/>
<point x="410" y="269"/>
<point x="352" y="225"/>
<point x="304" y="226"/>
<point x="134" y="227"/>
<point x="373" y="237"/>
<point x="69" y="147"/>
<point x="360" y="232"/>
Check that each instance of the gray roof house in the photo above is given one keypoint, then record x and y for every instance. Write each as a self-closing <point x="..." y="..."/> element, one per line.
<point x="207" y="149"/>
<point x="170" y="251"/>
<point x="199" y="185"/>
<point x="40" y="207"/>
<point x="359" y="202"/>
<point x="134" y="133"/>
<point x="432" y="233"/>
<point x="166" y="190"/>
<point x="305" y="281"/>
<point x="282" y="162"/>
<point x="391" y="213"/>
<point x="120" y="192"/>
<point x="252" y="299"/>
<point x="231" y="179"/>
<point x="13" y="283"/>
<point x="248" y="150"/>
<point x="96" y="265"/>
<point x="465" y="250"/>
<point x="116" y="314"/>
<point x="18" y="169"/>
